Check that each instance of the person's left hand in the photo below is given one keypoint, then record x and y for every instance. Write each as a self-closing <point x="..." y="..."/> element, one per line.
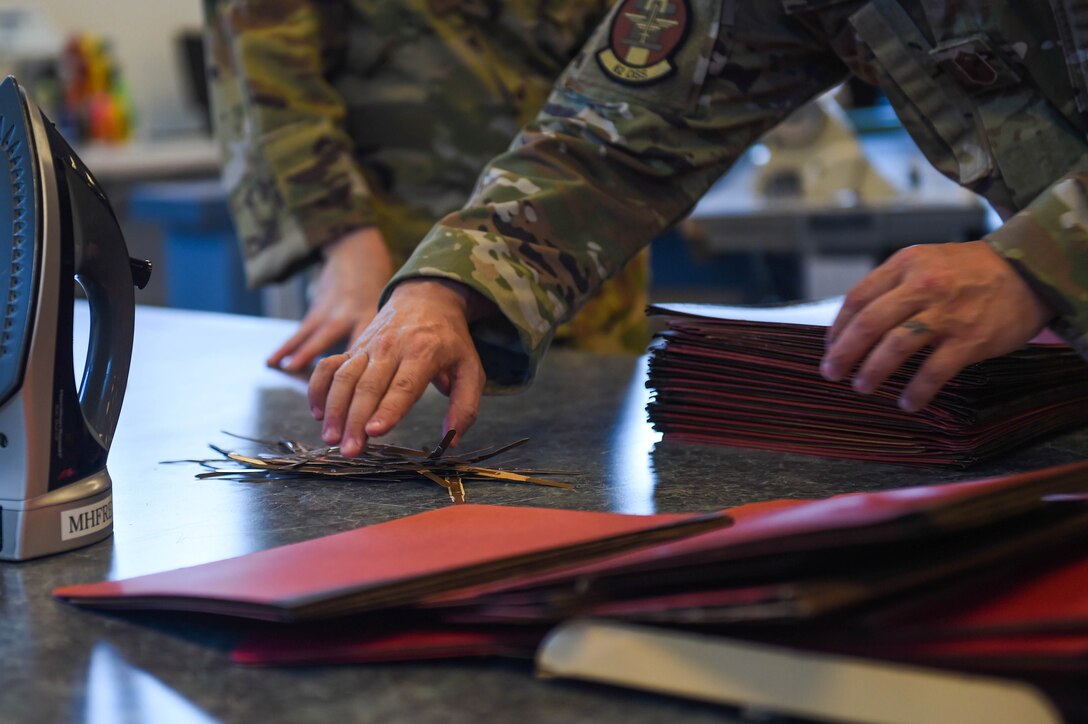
<point x="420" y="336"/>
<point x="357" y="268"/>
<point x="963" y="300"/>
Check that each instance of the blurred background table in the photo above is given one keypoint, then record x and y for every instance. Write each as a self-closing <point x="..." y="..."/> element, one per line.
<point x="829" y="245"/>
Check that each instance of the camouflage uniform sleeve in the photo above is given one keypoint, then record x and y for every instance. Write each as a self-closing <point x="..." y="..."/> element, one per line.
<point x="1047" y="242"/>
<point x="288" y="166"/>
<point x="665" y="96"/>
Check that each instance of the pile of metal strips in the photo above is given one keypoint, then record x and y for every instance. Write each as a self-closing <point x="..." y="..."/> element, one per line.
<point x="289" y="460"/>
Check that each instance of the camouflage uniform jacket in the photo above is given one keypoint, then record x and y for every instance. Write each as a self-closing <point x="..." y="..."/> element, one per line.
<point x="668" y="93"/>
<point x="337" y="114"/>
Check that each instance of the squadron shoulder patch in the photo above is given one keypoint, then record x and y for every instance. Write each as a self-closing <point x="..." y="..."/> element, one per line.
<point x="644" y="37"/>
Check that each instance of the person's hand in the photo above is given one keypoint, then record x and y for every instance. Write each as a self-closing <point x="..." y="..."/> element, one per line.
<point x="420" y="336"/>
<point x="963" y="300"/>
<point x="357" y="268"/>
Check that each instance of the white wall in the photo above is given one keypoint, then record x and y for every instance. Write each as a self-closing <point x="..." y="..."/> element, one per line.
<point x="142" y="33"/>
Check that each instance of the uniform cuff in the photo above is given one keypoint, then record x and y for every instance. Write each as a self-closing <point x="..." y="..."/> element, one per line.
<point x="511" y="343"/>
<point x="1047" y="244"/>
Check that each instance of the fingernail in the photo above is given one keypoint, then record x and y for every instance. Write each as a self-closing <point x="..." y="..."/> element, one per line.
<point x="862" y="385"/>
<point x="907" y="405"/>
<point x="331" y="434"/>
<point x="374" y="427"/>
<point x="317" y="412"/>
<point x="351" y="446"/>
<point x="829" y="371"/>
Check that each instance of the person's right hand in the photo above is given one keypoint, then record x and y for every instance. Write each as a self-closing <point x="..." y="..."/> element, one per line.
<point x="963" y="301"/>
<point x="420" y="336"/>
<point x="357" y="268"/>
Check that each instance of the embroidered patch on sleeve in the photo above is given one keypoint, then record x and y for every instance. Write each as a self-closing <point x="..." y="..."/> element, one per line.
<point x="644" y="37"/>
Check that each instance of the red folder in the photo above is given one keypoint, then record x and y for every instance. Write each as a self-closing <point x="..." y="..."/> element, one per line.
<point x="1043" y="599"/>
<point x="390" y="564"/>
<point x="362" y="643"/>
<point x="766" y="533"/>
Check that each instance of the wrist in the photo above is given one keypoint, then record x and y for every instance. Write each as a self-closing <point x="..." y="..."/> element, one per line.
<point x="366" y="239"/>
<point x="1041" y="301"/>
<point x="470" y="302"/>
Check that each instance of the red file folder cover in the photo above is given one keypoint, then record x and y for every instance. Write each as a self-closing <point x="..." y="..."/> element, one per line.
<point x="1046" y="599"/>
<point x="305" y="644"/>
<point x="390" y="563"/>
<point x="854" y="519"/>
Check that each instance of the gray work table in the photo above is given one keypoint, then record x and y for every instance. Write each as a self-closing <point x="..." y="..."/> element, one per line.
<point x="196" y="374"/>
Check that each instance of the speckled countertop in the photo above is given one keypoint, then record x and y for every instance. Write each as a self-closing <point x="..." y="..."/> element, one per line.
<point x="196" y="374"/>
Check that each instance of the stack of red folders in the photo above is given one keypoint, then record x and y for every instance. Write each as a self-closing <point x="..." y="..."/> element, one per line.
<point x="749" y="377"/>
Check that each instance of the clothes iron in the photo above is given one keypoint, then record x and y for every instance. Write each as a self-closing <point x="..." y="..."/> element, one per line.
<point x="56" y="225"/>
